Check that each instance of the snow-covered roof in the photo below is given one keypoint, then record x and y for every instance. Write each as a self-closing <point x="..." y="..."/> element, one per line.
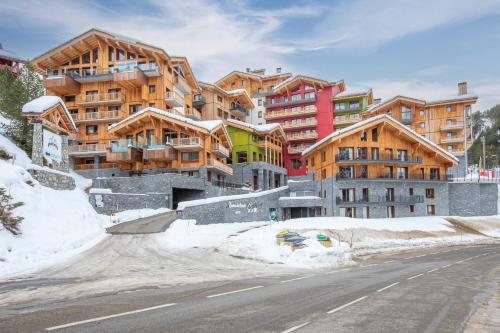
<point x="253" y="75"/>
<point x="374" y="119"/>
<point x="258" y="128"/>
<point x="452" y="99"/>
<point x="44" y="103"/>
<point x="353" y="91"/>
<point x="208" y="125"/>
<point x="386" y="101"/>
<point x="299" y="77"/>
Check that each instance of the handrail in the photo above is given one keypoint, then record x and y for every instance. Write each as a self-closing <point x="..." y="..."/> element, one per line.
<point x="383" y="158"/>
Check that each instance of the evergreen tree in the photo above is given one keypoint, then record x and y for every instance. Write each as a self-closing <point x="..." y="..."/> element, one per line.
<point x="15" y="91"/>
<point x="490" y="126"/>
<point x="7" y="218"/>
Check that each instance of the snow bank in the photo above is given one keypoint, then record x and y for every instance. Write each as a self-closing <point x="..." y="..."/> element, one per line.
<point x="134" y="214"/>
<point x="56" y="225"/>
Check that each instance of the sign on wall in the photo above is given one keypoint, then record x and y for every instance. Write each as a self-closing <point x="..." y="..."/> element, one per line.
<point x="52" y="146"/>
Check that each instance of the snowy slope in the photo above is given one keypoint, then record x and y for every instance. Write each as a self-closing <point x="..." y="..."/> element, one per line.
<point x="57" y="224"/>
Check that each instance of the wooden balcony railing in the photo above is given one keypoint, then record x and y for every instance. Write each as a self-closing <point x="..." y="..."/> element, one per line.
<point x="174" y="99"/>
<point x="134" y="77"/>
<point x="299" y="124"/>
<point x="381" y="158"/>
<point x="97" y="116"/>
<point x="165" y="153"/>
<point x="453" y="139"/>
<point x="220" y="150"/>
<point x="105" y="98"/>
<point x="220" y="166"/>
<point x="289" y="113"/>
<point x="94" y="166"/>
<point x="187" y="143"/>
<point x="301" y="136"/>
<point x="452" y="127"/>
<point x="297" y="149"/>
<point x="86" y="148"/>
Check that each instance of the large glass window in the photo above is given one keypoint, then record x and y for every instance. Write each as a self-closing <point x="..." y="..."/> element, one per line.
<point x="405" y="112"/>
<point x="346" y="153"/>
<point x="295" y="164"/>
<point x="354" y="105"/>
<point x="190" y="156"/>
<point x="296" y="97"/>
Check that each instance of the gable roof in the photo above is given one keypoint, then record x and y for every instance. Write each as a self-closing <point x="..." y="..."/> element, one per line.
<point x="351" y="92"/>
<point x="375" y="106"/>
<point x="229" y="93"/>
<point x="294" y="79"/>
<point x="42" y="104"/>
<point x="259" y="129"/>
<point x="185" y="62"/>
<point x="251" y="75"/>
<point x="376" y="120"/>
<point x="105" y="35"/>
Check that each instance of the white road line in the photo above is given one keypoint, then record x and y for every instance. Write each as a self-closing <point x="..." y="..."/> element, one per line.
<point x="369" y="265"/>
<point x="293" y="329"/>
<point x="408" y="258"/>
<point x="109" y="317"/>
<point x="415" y="276"/>
<point x="299" y="278"/>
<point x="235" y="291"/>
<point x="346" y="305"/>
<point x="432" y="270"/>
<point x="459" y="262"/>
<point x="338" y="270"/>
<point x="388" y="261"/>
<point x="389" y="286"/>
<point x="446" y="266"/>
<point x="422" y="255"/>
<point x="434" y="253"/>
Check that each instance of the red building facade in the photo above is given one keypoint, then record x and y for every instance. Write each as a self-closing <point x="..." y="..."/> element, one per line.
<point x="303" y="107"/>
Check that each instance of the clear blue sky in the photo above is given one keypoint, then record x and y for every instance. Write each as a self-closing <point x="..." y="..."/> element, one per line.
<point x="416" y="48"/>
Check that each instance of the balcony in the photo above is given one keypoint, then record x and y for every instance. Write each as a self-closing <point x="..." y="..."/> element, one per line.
<point x="130" y="78"/>
<point x="406" y="120"/>
<point x="90" y="75"/>
<point x="61" y="84"/>
<point x="127" y="151"/>
<point x="382" y="158"/>
<point x="219" y="150"/>
<point x="346" y="120"/>
<point x="161" y="153"/>
<point x="345" y="110"/>
<point x="300" y="124"/>
<point x="97" y="116"/>
<point x="111" y="98"/>
<point x="192" y="114"/>
<point x="453" y="139"/>
<point x="290" y="102"/>
<point x="381" y="199"/>
<point x="187" y="144"/>
<point x="174" y="99"/>
<point x="150" y="70"/>
<point x="182" y="84"/>
<point x="297" y="149"/>
<point x="289" y="113"/>
<point x="87" y="150"/>
<point x="452" y="127"/>
<point x="384" y="176"/>
<point x="213" y="163"/>
<point x="95" y="166"/>
<point x="239" y="111"/>
<point x="301" y="136"/>
<point x="198" y="100"/>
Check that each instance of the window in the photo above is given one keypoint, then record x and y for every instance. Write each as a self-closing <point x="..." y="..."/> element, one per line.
<point x="296" y="97"/>
<point x="363" y="136"/>
<point x="120" y="54"/>
<point x="347" y="211"/>
<point x="295" y="164"/>
<point x="259" y="102"/>
<point x="412" y="208"/>
<point x="69" y="98"/>
<point x="259" y="114"/>
<point x="375" y="154"/>
<point x="365" y="194"/>
<point x="449" y="108"/>
<point x="374" y="135"/>
<point x="346" y="153"/>
<point x="219" y="112"/>
<point x="431" y="210"/>
<point x="339" y="106"/>
<point x="402" y="155"/>
<point x="421" y="125"/>
<point x="323" y="173"/>
<point x="410" y="191"/>
<point x="75" y="61"/>
<point x="73" y="111"/>
<point x="429" y="193"/>
<point x="131" y="56"/>
<point x="363" y="171"/>
<point x="389" y="194"/>
<point x="323" y="156"/>
<point x="309" y="95"/>
<point x="308" y="87"/>
<point x="434" y="173"/>
<point x="91" y="129"/>
<point x="219" y="99"/>
<point x="354" y="105"/>
<point x="152" y="89"/>
<point x="346" y="172"/>
<point x="190" y="156"/>
<point x="95" y="55"/>
<point x="86" y="58"/>
<point x="241" y="156"/>
<point x="347" y="194"/>
<point x="233" y="84"/>
<point x="402" y="173"/>
<point x="134" y="108"/>
<point x="243" y="82"/>
<point x="362" y="153"/>
<point x="421" y="113"/>
<point x="390" y="212"/>
<point x="111" y="54"/>
<point x="152" y="105"/>
<point x="405" y="112"/>
<point x="450" y="148"/>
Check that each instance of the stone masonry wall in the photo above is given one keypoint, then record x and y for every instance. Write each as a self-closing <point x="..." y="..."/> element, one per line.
<point x="118" y="202"/>
<point x="54" y="180"/>
<point x="473" y="199"/>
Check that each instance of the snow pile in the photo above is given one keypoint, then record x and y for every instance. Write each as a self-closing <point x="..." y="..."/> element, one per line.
<point x="56" y="225"/>
<point x="134" y="214"/>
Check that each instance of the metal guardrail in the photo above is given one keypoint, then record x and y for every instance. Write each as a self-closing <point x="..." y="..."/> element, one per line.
<point x="382" y="158"/>
<point x="409" y="199"/>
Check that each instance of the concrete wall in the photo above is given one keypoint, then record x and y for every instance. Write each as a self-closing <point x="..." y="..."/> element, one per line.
<point x="243" y="173"/>
<point x="117" y="202"/>
<point x="236" y="210"/>
<point x="473" y="199"/>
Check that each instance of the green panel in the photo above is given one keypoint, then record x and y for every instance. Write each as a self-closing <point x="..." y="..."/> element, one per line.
<point x="243" y="142"/>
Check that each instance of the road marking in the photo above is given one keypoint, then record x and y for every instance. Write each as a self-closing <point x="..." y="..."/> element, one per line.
<point x="446" y="266"/>
<point x="422" y="255"/>
<point x="415" y="276"/>
<point x="459" y="262"/>
<point x="432" y="270"/>
<point x="346" y="305"/>
<point x="109" y="317"/>
<point x="338" y="270"/>
<point x="299" y="278"/>
<point x="408" y="258"/>
<point x="388" y="261"/>
<point x="434" y="253"/>
<point x="235" y="291"/>
<point x="369" y="265"/>
<point x="389" y="286"/>
<point x="293" y="329"/>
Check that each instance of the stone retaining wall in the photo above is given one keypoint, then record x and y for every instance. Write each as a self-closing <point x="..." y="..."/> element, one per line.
<point x="473" y="199"/>
<point x="54" y="180"/>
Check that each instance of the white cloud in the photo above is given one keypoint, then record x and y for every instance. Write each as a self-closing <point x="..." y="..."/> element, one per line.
<point x="487" y="91"/>
<point x="215" y="39"/>
<point x="371" y="23"/>
<point x="433" y="70"/>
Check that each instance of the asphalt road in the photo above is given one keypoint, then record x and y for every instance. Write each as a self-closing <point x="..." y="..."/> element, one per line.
<point x="419" y="291"/>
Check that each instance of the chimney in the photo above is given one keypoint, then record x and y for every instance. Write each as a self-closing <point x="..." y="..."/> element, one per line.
<point x="248" y="69"/>
<point x="377" y="100"/>
<point x="278" y="70"/>
<point x="462" y="88"/>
